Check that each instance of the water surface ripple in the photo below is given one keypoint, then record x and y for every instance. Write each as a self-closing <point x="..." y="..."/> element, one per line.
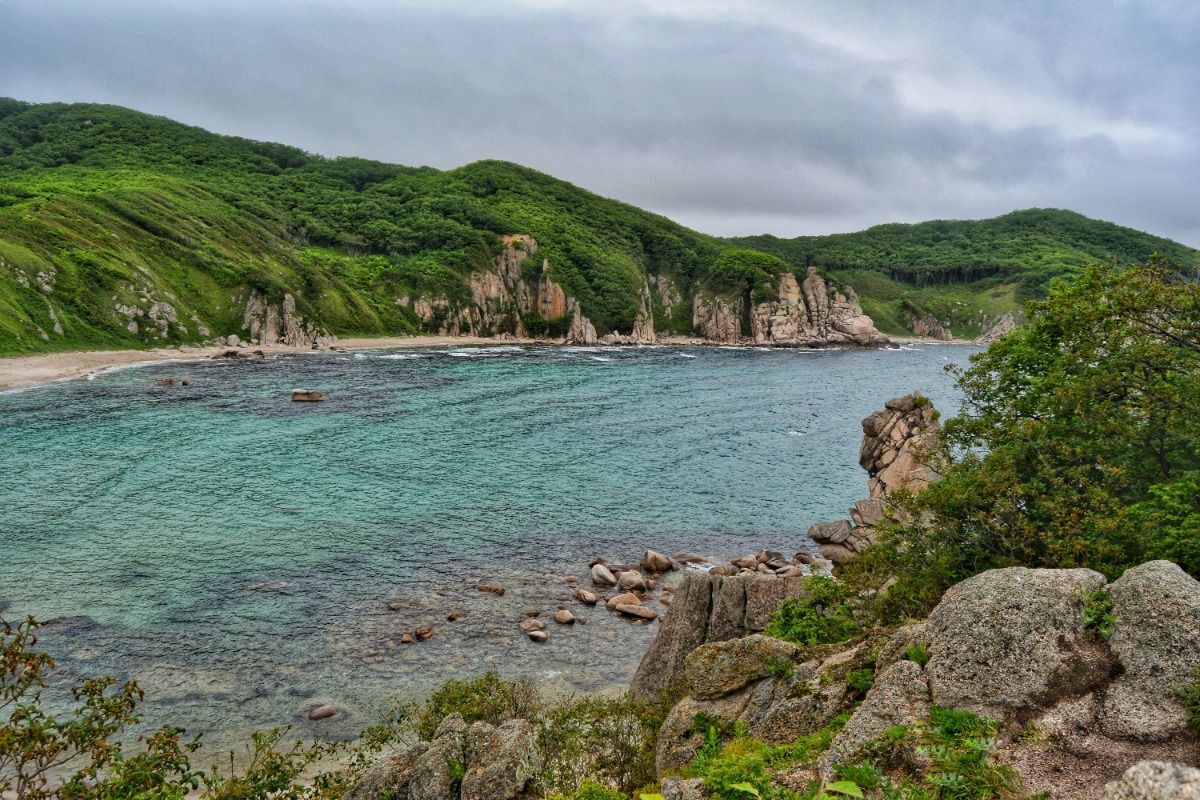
<point x="235" y="552"/>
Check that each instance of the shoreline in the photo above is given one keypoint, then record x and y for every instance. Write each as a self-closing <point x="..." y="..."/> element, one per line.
<point x="18" y="373"/>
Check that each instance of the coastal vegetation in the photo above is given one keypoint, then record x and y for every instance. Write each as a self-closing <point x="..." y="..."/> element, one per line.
<point x="104" y="210"/>
<point x="1076" y="446"/>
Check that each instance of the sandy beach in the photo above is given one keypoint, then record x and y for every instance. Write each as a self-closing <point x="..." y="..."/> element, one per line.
<point x="21" y="372"/>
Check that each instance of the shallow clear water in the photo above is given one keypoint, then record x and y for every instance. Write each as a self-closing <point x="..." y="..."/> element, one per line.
<point x="235" y="552"/>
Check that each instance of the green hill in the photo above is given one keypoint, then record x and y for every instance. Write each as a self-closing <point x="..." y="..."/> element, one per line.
<point x="120" y="229"/>
<point x="958" y="270"/>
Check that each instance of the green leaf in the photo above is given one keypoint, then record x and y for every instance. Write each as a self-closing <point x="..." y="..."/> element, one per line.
<point x="848" y="788"/>
<point x="749" y="789"/>
<point x="650" y="797"/>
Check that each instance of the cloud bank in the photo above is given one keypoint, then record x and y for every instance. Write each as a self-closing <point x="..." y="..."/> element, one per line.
<point x="730" y="117"/>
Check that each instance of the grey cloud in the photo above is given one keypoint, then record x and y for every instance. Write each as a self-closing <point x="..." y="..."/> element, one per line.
<point x="767" y="119"/>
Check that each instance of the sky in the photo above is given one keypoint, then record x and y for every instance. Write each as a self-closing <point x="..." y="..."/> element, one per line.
<point x="731" y="117"/>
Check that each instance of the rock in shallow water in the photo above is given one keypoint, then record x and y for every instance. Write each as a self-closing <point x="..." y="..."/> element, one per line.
<point x="602" y="576"/>
<point x="323" y="712"/>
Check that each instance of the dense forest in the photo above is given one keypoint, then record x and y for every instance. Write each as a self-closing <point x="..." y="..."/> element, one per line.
<point x="101" y="206"/>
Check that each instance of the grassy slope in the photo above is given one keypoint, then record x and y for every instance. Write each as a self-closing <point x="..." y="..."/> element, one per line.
<point x="112" y="207"/>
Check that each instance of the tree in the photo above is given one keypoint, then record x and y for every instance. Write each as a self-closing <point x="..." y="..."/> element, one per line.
<point x="1079" y="440"/>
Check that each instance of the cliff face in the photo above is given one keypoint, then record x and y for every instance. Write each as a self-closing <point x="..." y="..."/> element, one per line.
<point x="503" y="302"/>
<point x="807" y="313"/>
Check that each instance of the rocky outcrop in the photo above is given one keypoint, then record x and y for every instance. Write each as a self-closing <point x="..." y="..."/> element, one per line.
<point x="1001" y="327"/>
<point x="643" y="323"/>
<point x="927" y="326"/>
<point x="1156" y="780"/>
<point x="708" y="608"/>
<point x="760" y="683"/>
<point x="1157" y="644"/>
<point x="809" y="314"/>
<point x="502" y="301"/>
<point x="717" y="319"/>
<point x="270" y="323"/>
<point x="900" y="696"/>
<point x="894" y="452"/>
<point x="460" y="762"/>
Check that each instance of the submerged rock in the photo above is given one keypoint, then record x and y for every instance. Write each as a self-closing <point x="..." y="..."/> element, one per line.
<point x="307" y="396"/>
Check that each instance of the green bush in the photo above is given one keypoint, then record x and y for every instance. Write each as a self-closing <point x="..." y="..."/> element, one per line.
<point x="821" y="616"/>
<point x="488" y="698"/>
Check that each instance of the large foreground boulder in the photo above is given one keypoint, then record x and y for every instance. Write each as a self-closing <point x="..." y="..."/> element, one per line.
<point x="479" y="762"/>
<point x="1157" y="643"/>
<point x="1156" y="780"/>
<point x="1009" y="640"/>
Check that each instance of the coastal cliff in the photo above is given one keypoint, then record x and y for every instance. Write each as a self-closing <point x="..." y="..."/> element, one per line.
<point x="808" y="313"/>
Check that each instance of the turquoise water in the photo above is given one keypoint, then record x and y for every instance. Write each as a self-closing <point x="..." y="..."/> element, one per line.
<point x="235" y="552"/>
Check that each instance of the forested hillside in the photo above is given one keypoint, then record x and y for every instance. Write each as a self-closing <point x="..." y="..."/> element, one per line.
<point x="120" y="229"/>
<point x="955" y="270"/>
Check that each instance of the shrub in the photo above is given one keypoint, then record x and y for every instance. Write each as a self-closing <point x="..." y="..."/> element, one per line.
<point x="820" y="617"/>
<point x="488" y="698"/>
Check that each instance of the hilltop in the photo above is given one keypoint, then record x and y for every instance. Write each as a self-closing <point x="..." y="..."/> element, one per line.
<point x="123" y="230"/>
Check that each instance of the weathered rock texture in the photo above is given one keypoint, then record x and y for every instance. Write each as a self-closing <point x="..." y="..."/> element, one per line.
<point x="1001" y="327"/>
<point x="1011" y="640"/>
<point x="807" y="313"/>
<point x="270" y="323"/>
<point x="760" y="683"/>
<point x="502" y="301"/>
<point x="896" y="441"/>
<point x="1156" y="780"/>
<point x="496" y="763"/>
<point x="1074" y="712"/>
<point x="708" y="608"/>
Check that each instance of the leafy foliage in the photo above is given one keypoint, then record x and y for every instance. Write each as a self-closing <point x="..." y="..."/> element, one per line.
<point x="1076" y="446"/>
<point x="1098" y="614"/>
<point x="821" y="616"/>
<point x="488" y="698"/>
<point x="81" y="756"/>
<point x="1189" y="697"/>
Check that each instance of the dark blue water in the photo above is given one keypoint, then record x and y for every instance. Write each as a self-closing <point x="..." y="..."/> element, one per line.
<point x="235" y="552"/>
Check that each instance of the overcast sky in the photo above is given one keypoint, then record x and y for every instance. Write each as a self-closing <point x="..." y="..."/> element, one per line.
<point x="731" y="117"/>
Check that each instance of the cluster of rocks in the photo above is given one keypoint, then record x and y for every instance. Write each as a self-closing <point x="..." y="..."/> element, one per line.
<point x="1013" y="645"/>
<point x="896" y="442"/>
<point x="770" y="562"/>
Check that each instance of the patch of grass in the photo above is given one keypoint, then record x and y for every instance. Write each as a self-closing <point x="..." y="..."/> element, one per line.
<point x="917" y="653"/>
<point x="488" y="698"/>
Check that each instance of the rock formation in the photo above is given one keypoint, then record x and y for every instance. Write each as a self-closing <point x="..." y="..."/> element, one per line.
<point x="460" y="762"/>
<point x="806" y="314"/>
<point x="896" y="441"/>
<point x="503" y="302"/>
<point x="1010" y="644"/>
<point x="270" y="323"/>
<point x="1005" y="325"/>
<point x="708" y="608"/>
<point x="809" y="314"/>
<point x="928" y="326"/>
